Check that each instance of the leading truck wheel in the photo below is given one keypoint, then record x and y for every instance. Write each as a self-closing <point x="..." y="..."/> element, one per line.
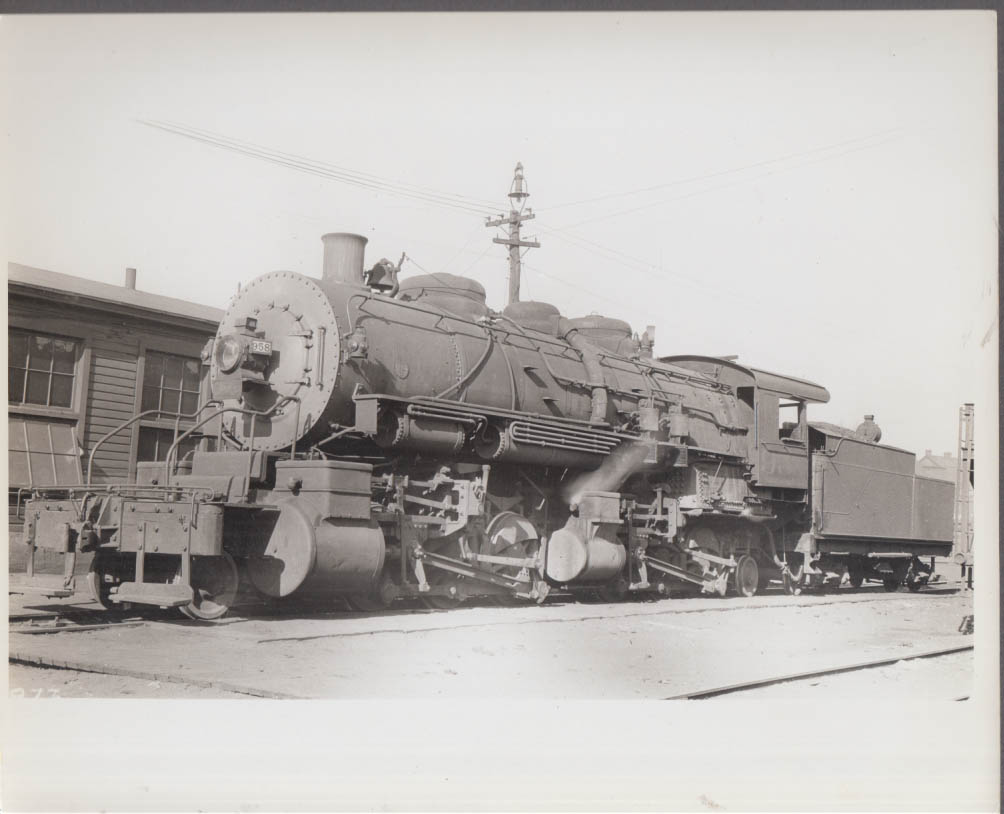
<point x="101" y="578"/>
<point x="214" y="586"/>
<point x="747" y="576"/>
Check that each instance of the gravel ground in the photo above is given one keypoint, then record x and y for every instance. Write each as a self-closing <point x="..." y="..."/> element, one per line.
<point x="37" y="682"/>
<point x="589" y="651"/>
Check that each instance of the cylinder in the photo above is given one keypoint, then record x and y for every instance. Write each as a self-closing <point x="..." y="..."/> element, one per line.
<point x="576" y="553"/>
<point x="332" y="556"/>
<point x="350" y="557"/>
<point x="343" y="258"/>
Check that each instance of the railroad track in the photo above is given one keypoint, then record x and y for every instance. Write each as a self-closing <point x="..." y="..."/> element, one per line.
<point x="728" y="689"/>
<point x="346" y="624"/>
<point x="70" y="619"/>
<point x="84" y="618"/>
<point x="31" y="660"/>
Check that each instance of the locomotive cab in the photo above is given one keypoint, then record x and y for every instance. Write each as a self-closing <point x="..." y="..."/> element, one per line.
<point x="781" y="457"/>
<point x="775" y="414"/>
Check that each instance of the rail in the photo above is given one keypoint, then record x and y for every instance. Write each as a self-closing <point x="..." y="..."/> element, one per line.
<point x="129" y="422"/>
<point x="881" y="661"/>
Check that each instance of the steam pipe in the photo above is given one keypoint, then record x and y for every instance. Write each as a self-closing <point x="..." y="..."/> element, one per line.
<point x="594" y="370"/>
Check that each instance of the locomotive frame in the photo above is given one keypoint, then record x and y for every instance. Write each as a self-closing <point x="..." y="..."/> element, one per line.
<point x="377" y="440"/>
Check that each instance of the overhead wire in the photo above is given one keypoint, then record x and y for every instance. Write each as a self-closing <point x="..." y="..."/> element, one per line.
<point x="579" y="287"/>
<point x="302" y="164"/>
<point x="477" y="206"/>
<point x="719" y="173"/>
<point x="358" y="174"/>
<point x="704" y="191"/>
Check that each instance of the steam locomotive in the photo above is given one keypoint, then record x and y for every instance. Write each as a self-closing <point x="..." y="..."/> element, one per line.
<point x="373" y="439"/>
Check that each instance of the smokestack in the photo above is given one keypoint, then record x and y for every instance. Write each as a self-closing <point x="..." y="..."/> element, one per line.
<point x="130" y="280"/>
<point x="343" y="258"/>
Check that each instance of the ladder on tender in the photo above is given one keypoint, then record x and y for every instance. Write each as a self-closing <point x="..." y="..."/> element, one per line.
<point x="962" y="540"/>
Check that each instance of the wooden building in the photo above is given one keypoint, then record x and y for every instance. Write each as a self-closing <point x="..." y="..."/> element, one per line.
<point x="82" y="358"/>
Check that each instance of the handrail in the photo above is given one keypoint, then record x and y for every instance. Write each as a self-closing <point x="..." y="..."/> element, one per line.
<point x="255" y="415"/>
<point x="133" y="420"/>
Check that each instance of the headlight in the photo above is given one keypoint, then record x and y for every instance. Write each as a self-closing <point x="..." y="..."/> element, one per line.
<point x="229" y="353"/>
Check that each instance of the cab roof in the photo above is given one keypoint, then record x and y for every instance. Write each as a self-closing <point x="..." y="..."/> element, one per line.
<point x="775" y="382"/>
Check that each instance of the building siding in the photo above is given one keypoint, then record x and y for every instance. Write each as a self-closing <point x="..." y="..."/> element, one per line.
<point x="114" y="358"/>
<point x="113" y="344"/>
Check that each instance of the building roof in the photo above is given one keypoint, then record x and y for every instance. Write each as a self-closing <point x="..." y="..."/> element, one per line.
<point x="943" y="467"/>
<point x="53" y="284"/>
<point x="948" y="460"/>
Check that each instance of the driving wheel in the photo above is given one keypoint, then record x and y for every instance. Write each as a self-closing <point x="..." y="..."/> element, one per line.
<point x="747" y="576"/>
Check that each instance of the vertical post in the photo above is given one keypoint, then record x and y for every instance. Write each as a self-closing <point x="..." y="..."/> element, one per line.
<point x="518" y="196"/>
<point x="963" y="529"/>
<point x="141" y="554"/>
<point x="30" y="571"/>
<point x="514" y="265"/>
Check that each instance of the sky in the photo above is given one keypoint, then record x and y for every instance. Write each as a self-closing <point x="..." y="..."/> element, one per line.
<point x="814" y="192"/>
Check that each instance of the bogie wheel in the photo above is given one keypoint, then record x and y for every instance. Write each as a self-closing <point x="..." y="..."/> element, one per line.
<point x="793" y="581"/>
<point x="916" y="577"/>
<point x="857" y="578"/>
<point x="101" y="578"/>
<point x="614" y="591"/>
<point x="440" y="602"/>
<point x="377" y="599"/>
<point x="891" y="584"/>
<point x="366" y="603"/>
<point x="747" y="576"/>
<point x="215" y="581"/>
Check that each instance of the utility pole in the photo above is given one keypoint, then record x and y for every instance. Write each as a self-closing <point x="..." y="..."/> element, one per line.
<point x="963" y="531"/>
<point x="518" y="196"/>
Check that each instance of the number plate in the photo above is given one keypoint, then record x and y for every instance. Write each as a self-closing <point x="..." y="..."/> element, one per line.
<point x="260" y="346"/>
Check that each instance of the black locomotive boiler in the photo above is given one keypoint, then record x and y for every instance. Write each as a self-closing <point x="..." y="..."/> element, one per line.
<point x="372" y="439"/>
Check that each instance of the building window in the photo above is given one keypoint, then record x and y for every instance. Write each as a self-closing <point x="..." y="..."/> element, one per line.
<point x="170" y="384"/>
<point x="155" y="442"/>
<point x="40" y="369"/>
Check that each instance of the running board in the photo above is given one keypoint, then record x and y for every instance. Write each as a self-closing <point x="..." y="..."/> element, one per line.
<point x="162" y="595"/>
